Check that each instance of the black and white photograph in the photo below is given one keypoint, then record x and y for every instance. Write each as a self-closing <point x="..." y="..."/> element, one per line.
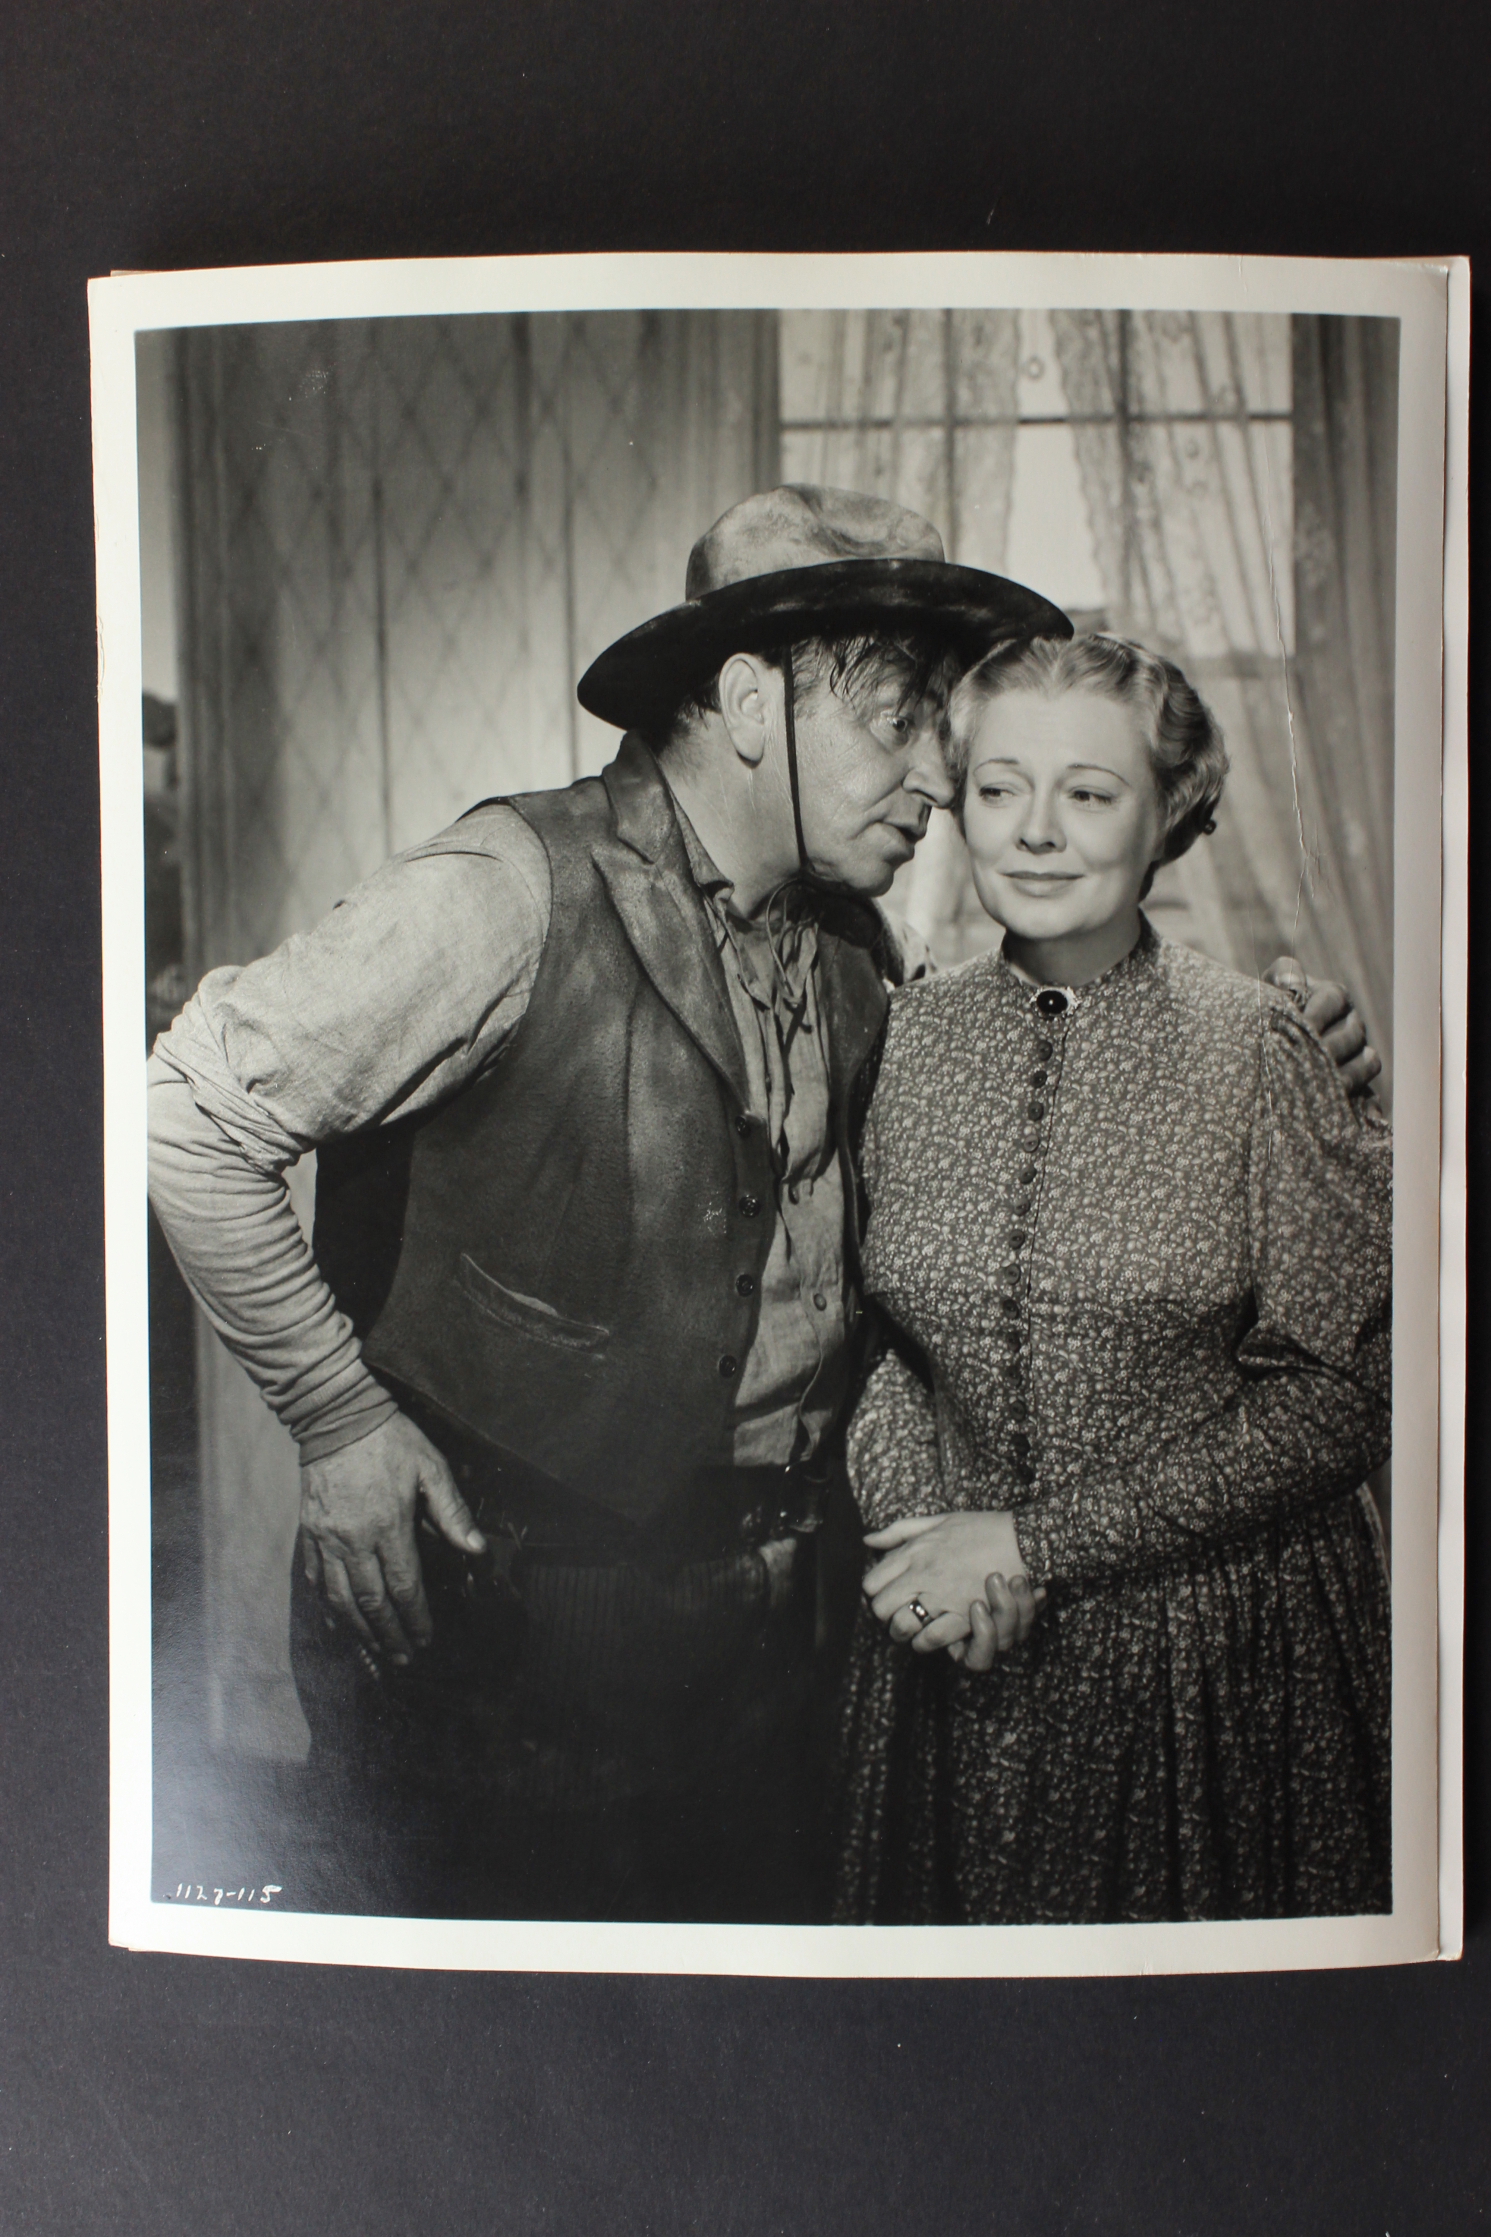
<point x="774" y="966"/>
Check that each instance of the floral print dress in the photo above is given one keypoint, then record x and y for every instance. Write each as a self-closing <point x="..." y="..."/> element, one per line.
<point x="1134" y="1241"/>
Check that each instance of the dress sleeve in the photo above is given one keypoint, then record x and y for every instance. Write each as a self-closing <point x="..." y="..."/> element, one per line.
<point x="892" y="1452"/>
<point x="891" y="1446"/>
<point x="1313" y="1417"/>
<point x="407" y="992"/>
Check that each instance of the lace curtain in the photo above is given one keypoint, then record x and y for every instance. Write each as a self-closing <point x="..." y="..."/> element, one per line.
<point x="1345" y="513"/>
<point x="1241" y="503"/>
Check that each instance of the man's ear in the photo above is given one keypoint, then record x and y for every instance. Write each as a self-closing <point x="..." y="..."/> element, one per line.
<point x="750" y="699"/>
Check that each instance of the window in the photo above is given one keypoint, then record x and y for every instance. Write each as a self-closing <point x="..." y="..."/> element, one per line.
<point x="1135" y="467"/>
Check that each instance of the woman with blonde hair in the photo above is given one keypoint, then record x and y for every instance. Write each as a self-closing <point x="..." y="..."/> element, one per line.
<point x="1132" y="1240"/>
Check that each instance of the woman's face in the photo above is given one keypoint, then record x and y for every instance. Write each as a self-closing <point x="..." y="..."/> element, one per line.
<point x="1062" y="813"/>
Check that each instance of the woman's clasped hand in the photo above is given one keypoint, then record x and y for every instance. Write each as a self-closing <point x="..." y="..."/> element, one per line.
<point x="967" y="1571"/>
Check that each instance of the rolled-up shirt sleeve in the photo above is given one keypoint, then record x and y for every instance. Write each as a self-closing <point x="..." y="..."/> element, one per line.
<point x="406" y="993"/>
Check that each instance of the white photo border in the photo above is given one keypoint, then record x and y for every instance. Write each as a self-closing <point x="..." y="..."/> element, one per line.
<point x="1431" y="299"/>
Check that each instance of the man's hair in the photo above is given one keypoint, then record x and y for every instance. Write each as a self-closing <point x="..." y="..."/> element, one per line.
<point x="1185" y="743"/>
<point x="854" y="667"/>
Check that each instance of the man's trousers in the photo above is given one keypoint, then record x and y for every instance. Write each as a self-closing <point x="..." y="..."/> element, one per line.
<point x="608" y="1736"/>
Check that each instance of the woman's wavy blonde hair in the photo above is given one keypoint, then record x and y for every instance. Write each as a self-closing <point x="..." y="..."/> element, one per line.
<point x="1184" y="740"/>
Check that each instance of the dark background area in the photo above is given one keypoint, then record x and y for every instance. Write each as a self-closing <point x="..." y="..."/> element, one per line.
<point x="161" y="2094"/>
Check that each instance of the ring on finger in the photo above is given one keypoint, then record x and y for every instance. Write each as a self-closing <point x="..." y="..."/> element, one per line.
<point x="922" y="1613"/>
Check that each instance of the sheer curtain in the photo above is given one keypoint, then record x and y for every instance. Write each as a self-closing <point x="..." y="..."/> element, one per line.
<point x="1238" y="473"/>
<point x="1345" y="480"/>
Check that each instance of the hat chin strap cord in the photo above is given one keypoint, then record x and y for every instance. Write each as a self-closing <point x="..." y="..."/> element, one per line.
<point x="805" y="871"/>
<point x="789" y="710"/>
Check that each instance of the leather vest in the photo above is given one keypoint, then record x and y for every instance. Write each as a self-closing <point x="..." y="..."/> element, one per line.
<point x="566" y="1257"/>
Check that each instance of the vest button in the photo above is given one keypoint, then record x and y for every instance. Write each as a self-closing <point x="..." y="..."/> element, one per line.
<point x="728" y="1365"/>
<point x="742" y="1123"/>
<point x="750" y="1207"/>
<point x="746" y="1284"/>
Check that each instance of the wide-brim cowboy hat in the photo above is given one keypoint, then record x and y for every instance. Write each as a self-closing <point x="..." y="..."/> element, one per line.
<point x="806" y="561"/>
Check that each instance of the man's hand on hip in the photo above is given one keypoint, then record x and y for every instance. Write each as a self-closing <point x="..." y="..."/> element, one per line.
<point x="357" y="1516"/>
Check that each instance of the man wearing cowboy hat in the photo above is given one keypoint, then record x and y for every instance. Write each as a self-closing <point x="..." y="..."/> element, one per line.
<point x="567" y="1366"/>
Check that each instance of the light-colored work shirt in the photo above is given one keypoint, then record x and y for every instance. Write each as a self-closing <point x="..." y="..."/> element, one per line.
<point x="406" y="994"/>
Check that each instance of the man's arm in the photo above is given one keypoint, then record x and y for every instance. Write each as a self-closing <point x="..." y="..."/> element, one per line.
<point x="400" y="998"/>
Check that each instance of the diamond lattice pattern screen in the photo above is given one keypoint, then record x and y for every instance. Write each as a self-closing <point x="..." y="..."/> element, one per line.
<point x="405" y="539"/>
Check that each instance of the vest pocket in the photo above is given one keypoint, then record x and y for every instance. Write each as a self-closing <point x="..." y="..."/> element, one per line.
<point x="529" y="1316"/>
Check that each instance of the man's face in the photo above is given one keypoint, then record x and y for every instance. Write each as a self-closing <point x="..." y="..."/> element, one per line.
<point x="871" y="771"/>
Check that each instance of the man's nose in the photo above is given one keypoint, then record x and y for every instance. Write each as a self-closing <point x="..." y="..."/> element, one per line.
<point x="927" y="777"/>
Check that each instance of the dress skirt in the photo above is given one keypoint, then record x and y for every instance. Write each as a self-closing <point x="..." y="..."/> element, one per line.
<point x="1209" y="1741"/>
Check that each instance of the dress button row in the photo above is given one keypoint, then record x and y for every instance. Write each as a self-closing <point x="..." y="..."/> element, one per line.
<point x="1018" y="1442"/>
